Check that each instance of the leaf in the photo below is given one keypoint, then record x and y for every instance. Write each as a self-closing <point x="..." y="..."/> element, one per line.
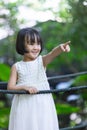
<point x="4" y="72"/>
<point x="4" y="113"/>
<point x="66" y="109"/>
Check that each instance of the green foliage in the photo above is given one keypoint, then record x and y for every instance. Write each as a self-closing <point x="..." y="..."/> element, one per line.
<point x="78" y="32"/>
<point x="72" y="27"/>
<point x="4" y="115"/>
<point x="54" y="33"/>
<point x="4" y="72"/>
<point x="66" y="109"/>
<point x="81" y="80"/>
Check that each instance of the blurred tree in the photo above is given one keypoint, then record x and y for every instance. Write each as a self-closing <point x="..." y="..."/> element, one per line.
<point x="71" y="26"/>
<point x="78" y="32"/>
<point x="9" y="22"/>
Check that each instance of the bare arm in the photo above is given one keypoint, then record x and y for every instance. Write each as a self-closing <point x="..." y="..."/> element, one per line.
<point x="55" y="52"/>
<point x="13" y="79"/>
<point x="12" y="82"/>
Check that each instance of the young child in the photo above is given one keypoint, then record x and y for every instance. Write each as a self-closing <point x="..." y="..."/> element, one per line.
<point x="33" y="111"/>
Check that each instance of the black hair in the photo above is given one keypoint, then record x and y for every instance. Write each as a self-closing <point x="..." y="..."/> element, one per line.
<point x="28" y="33"/>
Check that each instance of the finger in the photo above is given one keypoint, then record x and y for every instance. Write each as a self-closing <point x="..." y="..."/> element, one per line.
<point x="62" y="48"/>
<point x="30" y="90"/>
<point x="34" y="90"/>
<point x="67" y="48"/>
<point x="67" y="43"/>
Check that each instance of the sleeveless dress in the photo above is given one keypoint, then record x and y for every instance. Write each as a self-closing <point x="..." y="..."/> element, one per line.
<point x="33" y="112"/>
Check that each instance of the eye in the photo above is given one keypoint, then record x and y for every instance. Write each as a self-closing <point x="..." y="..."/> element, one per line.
<point x="38" y="43"/>
<point x="28" y="42"/>
<point x="32" y="43"/>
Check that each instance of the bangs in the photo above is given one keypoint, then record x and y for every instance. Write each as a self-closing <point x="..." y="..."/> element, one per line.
<point x="32" y="37"/>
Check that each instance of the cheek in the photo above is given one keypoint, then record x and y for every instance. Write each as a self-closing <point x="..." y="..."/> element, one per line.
<point x="39" y="48"/>
<point x="29" y="48"/>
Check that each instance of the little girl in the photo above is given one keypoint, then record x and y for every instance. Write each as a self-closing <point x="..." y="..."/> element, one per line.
<point x="33" y="111"/>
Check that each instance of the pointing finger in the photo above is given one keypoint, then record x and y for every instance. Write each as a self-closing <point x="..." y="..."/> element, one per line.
<point x="67" y="43"/>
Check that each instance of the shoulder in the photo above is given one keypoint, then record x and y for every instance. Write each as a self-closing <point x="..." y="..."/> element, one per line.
<point x="41" y="61"/>
<point x="15" y="66"/>
<point x="40" y="58"/>
<point x="13" y="70"/>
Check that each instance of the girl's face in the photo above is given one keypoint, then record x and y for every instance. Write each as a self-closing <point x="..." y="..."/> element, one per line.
<point x="33" y="49"/>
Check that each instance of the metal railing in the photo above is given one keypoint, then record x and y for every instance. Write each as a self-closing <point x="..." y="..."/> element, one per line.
<point x="83" y="126"/>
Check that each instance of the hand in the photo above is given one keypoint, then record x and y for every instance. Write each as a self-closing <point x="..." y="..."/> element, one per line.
<point x="65" y="47"/>
<point x="31" y="90"/>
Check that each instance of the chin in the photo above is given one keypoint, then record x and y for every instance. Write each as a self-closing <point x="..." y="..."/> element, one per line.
<point x="34" y="57"/>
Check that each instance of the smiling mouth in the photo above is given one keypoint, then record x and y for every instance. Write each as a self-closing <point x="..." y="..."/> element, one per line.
<point x="35" y="52"/>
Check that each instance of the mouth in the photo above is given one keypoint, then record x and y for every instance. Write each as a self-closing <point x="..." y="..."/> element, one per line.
<point x="35" y="53"/>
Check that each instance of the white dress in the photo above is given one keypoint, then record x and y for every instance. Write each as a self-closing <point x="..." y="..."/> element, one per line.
<point x="33" y="112"/>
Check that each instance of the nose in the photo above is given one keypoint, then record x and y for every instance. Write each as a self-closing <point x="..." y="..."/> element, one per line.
<point x="35" y="46"/>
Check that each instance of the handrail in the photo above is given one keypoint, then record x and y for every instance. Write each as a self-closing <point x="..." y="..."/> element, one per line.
<point x="43" y="91"/>
<point x="67" y="75"/>
<point x="82" y="126"/>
